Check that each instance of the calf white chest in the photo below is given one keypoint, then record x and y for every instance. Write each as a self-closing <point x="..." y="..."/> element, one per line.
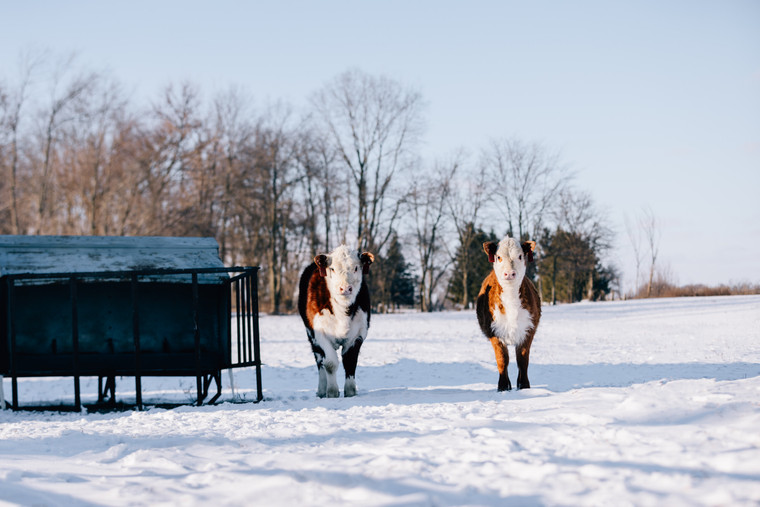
<point x="511" y="321"/>
<point x="338" y="329"/>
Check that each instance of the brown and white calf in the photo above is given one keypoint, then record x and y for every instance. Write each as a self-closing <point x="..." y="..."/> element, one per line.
<point x="334" y="303"/>
<point x="508" y="307"/>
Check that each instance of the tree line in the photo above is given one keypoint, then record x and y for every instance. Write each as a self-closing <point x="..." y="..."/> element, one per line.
<point x="275" y="185"/>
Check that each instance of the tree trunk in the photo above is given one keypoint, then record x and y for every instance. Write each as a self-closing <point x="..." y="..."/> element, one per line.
<point x="465" y="292"/>
<point x="423" y="294"/>
<point x="14" y="171"/>
<point x="554" y="281"/>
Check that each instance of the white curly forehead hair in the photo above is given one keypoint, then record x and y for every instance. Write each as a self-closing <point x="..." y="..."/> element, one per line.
<point x="509" y="247"/>
<point x="344" y="256"/>
<point x="344" y="260"/>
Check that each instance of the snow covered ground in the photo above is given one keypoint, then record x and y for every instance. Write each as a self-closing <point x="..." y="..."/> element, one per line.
<point x="653" y="402"/>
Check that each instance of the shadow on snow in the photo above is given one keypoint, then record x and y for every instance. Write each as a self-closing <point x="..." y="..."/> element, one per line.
<point x="411" y="381"/>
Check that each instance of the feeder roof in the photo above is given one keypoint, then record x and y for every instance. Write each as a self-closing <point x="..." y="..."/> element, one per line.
<point x="86" y="254"/>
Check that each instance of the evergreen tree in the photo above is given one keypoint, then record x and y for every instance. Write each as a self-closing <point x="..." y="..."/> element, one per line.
<point x="604" y="279"/>
<point x="392" y="283"/>
<point x="471" y="266"/>
<point x="571" y="269"/>
<point x="403" y="287"/>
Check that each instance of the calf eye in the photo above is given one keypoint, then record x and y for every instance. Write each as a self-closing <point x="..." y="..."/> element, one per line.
<point x="356" y="268"/>
<point x="520" y="257"/>
<point x="499" y="258"/>
<point x="332" y="269"/>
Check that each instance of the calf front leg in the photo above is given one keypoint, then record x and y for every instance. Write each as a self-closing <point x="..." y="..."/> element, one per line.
<point x="327" y="364"/>
<point x="350" y="360"/>
<point x="319" y="357"/>
<point x="328" y="380"/>
<point x="330" y="370"/>
<point x="522" y="354"/>
<point x="502" y="361"/>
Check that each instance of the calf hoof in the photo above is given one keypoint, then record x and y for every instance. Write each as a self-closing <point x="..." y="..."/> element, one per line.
<point x="322" y="385"/>
<point x="505" y="384"/>
<point x="523" y="382"/>
<point x="349" y="389"/>
<point x="333" y="392"/>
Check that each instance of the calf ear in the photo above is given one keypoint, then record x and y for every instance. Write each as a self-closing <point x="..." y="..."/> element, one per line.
<point x="490" y="248"/>
<point x="528" y="248"/>
<point x="322" y="261"/>
<point x="366" y="259"/>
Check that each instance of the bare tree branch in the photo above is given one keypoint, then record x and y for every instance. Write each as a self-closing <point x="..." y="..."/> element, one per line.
<point x="373" y="123"/>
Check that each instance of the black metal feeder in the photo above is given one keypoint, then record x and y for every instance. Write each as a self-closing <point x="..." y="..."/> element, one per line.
<point x="74" y="306"/>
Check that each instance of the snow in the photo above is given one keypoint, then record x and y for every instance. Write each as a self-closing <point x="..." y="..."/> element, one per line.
<point x="651" y="402"/>
<point x="81" y="254"/>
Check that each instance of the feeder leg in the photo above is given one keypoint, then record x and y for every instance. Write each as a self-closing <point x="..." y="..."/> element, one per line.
<point x="77" y="396"/>
<point x="14" y="392"/>
<point x="217" y="377"/>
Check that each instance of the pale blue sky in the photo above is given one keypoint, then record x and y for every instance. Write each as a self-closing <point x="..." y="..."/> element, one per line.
<point x="652" y="103"/>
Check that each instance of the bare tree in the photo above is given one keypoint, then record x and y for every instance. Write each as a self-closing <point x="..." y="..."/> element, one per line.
<point x="68" y="88"/>
<point x="651" y="227"/>
<point x="427" y="203"/>
<point x="587" y="235"/>
<point x="97" y="172"/>
<point x="166" y="145"/>
<point x="232" y="130"/>
<point x="321" y="192"/>
<point x="576" y="213"/>
<point x="467" y="197"/>
<point x="14" y="103"/>
<point x="373" y="122"/>
<point x="527" y="179"/>
<point x="275" y="159"/>
<point x="5" y="188"/>
<point x="633" y="231"/>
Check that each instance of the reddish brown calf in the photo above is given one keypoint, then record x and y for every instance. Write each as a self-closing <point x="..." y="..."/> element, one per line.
<point x="509" y="308"/>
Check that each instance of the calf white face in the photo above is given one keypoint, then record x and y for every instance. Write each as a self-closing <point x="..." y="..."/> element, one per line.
<point x="510" y="259"/>
<point x="344" y="270"/>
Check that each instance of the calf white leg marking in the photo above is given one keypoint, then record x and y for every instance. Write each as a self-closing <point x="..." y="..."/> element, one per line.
<point x="350" y="388"/>
<point x="333" y="391"/>
<point x="328" y="379"/>
<point x="332" y="331"/>
<point x="322" y="387"/>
